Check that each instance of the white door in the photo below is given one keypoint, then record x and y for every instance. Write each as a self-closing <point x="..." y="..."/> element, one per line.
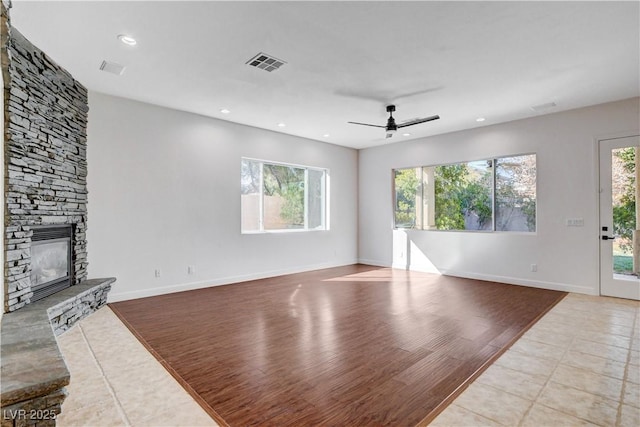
<point x="618" y="276"/>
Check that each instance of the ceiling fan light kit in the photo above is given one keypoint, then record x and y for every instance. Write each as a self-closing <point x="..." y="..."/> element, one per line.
<point x="391" y="127"/>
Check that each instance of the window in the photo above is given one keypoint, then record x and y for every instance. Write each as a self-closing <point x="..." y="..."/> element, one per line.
<point x="408" y="195"/>
<point x="282" y="197"/>
<point x="516" y="193"/>
<point x="485" y="195"/>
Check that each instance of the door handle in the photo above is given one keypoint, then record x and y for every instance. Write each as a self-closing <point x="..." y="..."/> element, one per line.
<point x="608" y="237"/>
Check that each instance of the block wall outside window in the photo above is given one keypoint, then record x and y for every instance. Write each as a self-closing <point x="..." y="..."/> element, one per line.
<point x="282" y="197"/>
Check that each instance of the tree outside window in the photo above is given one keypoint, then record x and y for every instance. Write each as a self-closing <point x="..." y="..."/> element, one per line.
<point x="487" y="195"/>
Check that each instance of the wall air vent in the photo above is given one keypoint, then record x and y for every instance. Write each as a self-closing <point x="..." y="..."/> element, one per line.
<point x="265" y="62"/>
<point x="112" y="67"/>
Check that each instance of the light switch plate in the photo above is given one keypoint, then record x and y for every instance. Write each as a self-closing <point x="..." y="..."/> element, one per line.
<point x="575" y="222"/>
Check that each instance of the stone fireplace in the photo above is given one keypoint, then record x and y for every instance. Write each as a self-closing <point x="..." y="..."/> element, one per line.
<point x="45" y="112"/>
<point x="45" y="220"/>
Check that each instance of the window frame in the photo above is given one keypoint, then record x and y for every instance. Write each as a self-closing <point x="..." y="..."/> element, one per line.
<point x="493" y="229"/>
<point x="261" y="210"/>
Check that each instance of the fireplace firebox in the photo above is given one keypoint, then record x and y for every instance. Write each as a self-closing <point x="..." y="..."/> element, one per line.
<point x="51" y="268"/>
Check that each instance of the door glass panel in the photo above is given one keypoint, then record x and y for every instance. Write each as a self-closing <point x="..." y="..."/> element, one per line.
<point x="623" y="181"/>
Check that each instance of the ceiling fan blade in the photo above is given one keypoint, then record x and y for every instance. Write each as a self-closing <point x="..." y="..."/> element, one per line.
<point x="366" y="124"/>
<point x="418" y="121"/>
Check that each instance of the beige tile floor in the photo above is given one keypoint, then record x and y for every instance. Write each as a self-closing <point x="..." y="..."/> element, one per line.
<point x="115" y="381"/>
<point x="578" y="366"/>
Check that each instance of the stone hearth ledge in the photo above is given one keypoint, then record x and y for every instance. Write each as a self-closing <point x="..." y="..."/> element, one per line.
<point x="32" y="366"/>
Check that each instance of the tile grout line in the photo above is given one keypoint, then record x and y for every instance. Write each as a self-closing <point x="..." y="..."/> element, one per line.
<point x="626" y="371"/>
<point x="112" y="392"/>
<point x="620" y="401"/>
<point x="532" y="401"/>
<point x="544" y="386"/>
<point x="502" y="391"/>
<point x="567" y="349"/>
<point x="474" y="412"/>
<point x="573" y="339"/>
<point x="559" y="362"/>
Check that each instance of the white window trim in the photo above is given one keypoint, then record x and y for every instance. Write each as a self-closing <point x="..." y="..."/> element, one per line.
<point x="324" y="190"/>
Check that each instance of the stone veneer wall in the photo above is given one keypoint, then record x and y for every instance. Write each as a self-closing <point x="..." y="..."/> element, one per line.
<point x="45" y="169"/>
<point x="65" y="314"/>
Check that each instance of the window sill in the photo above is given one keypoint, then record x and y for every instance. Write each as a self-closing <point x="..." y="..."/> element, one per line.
<point x="293" y="231"/>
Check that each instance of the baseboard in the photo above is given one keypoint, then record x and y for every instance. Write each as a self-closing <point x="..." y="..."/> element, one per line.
<point x="404" y="266"/>
<point x="143" y="293"/>
<point x="555" y="286"/>
<point x="373" y="262"/>
<point x="151" y="292"/>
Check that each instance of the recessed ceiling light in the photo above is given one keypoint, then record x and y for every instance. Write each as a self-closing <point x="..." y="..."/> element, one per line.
<point x="406" y="134"/>
<point x="326" y="135"/>
<point x="480" y="119"/>
<point x="128" y="40"/>
<point x="225" y="111"/>
<point x="281" y="125"/>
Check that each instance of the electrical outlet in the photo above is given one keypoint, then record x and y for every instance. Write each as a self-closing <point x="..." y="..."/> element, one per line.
<point x="534" y="268"/>
<point x="191" y="269"/>
<point x="157" y="272"/>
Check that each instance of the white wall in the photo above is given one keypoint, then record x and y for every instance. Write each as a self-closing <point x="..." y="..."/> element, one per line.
<point x="567" y="257"/>
<point x="164" y="193"/>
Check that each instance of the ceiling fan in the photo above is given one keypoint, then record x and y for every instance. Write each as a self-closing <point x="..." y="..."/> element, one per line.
<point x="391" y="126"/>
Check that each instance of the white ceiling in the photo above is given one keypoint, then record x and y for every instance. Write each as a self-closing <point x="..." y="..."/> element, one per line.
<point x="347" y="60"/>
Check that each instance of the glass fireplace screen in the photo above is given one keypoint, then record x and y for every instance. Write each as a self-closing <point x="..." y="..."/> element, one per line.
<point x="49" y="261"/>
<point x="51" y="267"/>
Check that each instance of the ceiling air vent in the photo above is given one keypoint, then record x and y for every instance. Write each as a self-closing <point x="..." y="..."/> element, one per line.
<point x="544" y="107"/>
<point x="266" y="62"/>
<point x="112" y="67"/>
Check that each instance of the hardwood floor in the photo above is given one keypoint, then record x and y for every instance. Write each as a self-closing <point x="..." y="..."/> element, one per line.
<point x="355" y="345"/>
